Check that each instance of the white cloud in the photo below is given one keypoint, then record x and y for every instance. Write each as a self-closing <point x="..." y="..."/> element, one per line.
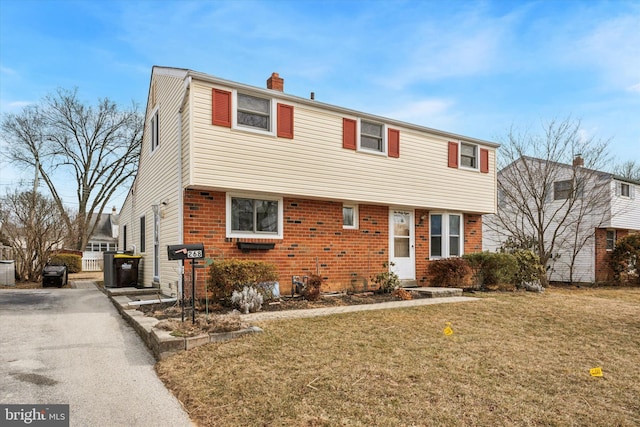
<point x="613" y="46"/>
<point x="434" y="113"/>
<point x="634" y="88"/>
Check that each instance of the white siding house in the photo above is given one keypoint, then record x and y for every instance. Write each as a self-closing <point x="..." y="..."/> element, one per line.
<point x="334" y="191"/>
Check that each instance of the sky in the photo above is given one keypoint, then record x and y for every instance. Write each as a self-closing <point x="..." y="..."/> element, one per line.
<point x="475" y="68"/>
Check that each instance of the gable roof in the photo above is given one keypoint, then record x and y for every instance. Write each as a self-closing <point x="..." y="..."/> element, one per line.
<point x="186" y="73"/>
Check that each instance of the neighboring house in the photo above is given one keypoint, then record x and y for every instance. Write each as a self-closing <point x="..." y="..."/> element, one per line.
<point x="259" y="174"/>
<point x="604" y="208"/>
<point x="103" y="239"/>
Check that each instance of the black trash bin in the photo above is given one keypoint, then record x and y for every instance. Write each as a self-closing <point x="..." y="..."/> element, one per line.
<point x="126" y="270"/>
<point x="54" y="275"/>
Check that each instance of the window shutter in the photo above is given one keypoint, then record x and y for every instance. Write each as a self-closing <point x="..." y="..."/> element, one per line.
<point x="394" y="143"/>
<point x="632" y="191"/>
<point x="453" y="154"/>
<point x="221" y="108"/>
<point x="484" y="160"/>
<point x="618" y="191"/>
<point x="349" y="134"/>
<point x="285" y="121"/>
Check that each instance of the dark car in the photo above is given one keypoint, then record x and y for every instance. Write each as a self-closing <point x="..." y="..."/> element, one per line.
<point x="54" y="275"/>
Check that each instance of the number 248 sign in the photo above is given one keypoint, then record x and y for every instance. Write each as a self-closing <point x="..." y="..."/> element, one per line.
<point x="186" y="251"/>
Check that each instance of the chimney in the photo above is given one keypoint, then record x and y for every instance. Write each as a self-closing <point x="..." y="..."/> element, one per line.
<point x="113" y="210"/>
<point x="275" y="82"/>
<point x="578" y="161"/>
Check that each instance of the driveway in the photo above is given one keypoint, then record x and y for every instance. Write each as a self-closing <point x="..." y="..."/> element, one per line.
<point x="71" y="346"/>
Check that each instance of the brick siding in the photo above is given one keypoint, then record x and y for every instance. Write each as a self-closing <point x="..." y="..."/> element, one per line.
<point x="314" y="240"/>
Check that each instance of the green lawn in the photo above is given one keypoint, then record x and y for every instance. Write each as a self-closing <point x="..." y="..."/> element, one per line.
<point x="513" y="359"/>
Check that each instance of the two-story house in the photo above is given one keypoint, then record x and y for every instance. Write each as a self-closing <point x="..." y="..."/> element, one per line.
<point x="581" y="212"/>
<point x="256" y="173"/>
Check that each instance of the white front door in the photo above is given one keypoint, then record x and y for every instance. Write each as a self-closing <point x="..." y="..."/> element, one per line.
<point x="402" y="243"/>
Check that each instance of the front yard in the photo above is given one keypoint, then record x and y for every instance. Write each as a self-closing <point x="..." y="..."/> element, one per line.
<point x="513" y="359"/>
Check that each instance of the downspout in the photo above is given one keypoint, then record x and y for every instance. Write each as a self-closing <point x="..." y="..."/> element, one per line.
<point x="187" y="85"/>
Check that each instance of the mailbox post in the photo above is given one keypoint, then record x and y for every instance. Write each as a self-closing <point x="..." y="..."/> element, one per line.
<point x="192" y="251"/>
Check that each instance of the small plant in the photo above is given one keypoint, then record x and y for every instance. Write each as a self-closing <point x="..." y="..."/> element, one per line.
<point x="403" y="294"/>
<point x="449" y="272"/>
<point x="311" y="290"/>
<point x="249" y="300"/>
<point x="529" y="270"/>
<point x="492" y="269"/>
<point x="231" y="275"/>
<point x="387" y="281"/>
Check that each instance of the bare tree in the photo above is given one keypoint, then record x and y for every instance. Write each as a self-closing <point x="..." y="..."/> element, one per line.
<point x="629" y="170"/>
<point x="30" y="224"/>
<point x="98" y="146"/>
<point x="550" y="193"/>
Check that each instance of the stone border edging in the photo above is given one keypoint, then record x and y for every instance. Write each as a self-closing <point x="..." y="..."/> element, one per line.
<point x="161" y="343"/>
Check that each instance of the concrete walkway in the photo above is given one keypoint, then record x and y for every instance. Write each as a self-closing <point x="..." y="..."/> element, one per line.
<point x="326" y="311"/>
<point x="71" y="346"/>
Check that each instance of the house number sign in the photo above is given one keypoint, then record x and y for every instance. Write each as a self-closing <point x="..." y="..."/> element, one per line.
<point x="187" y="251"/>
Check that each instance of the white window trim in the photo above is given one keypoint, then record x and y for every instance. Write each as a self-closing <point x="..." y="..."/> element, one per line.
<point x="244" y="235"/>
<point x="140" y="234"/>
<point x="154" y="119"/>
<point x="272" y="115"/>
<point x="385" y="145"/>
<point x="355" y="216"/>
<point x="606" y="240"/>
<point x="477" y="156"/>
<point x="444" y="236"/>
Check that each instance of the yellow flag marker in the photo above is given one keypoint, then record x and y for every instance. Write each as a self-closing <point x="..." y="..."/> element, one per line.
<point x="448" y="331"/>
<point x="596" y="372"/>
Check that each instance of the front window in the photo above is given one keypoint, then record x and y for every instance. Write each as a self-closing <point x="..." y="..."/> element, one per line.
<point x="371" y="136"/>
<point x="611" y="239"/>
<point x="254" y="217"/>
<point x="254" y="112"/>
<point x="446" y="235"/>
<point x="350" y="216"/>
<point x="561" y="190"/>
<point x="469" y="155"/>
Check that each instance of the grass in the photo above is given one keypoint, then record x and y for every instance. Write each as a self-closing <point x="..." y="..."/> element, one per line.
<point x="513" y="359"/>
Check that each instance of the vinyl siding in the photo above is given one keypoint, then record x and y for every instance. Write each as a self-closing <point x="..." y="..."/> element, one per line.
<point x="625" y="211"/>
<point x="315" y="165"/>
<point x="157" y="181"/>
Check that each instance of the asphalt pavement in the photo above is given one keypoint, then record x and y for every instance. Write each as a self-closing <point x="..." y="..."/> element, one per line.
<point x="70" y="346"/>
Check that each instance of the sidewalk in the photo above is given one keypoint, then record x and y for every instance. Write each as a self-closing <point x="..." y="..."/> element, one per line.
<point x="326" y="311"/>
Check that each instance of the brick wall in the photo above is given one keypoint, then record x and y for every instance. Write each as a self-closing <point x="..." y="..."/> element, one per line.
<point x="314" y="240"/>
<point x="603" y="271"/>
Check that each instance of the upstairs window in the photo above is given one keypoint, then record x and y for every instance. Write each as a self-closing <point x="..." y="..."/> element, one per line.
<point x="155" y="131"/>
<point x="624" y="190"/>
<point x="468" y="155"/>
<point x="350" y="216"/>
<point x="254" y="112"/>
<point x="371" y="136"/>
<point x="561" y="190"/>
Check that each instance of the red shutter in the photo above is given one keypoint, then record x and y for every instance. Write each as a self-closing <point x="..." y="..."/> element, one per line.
<point x="285" y="121"/>
<point x="221" y="108"/>
<point x="453" y="154"/>
<point x="484" y="160"/>
<point x="349" y="134"/>
<point x="393" y="140"/>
